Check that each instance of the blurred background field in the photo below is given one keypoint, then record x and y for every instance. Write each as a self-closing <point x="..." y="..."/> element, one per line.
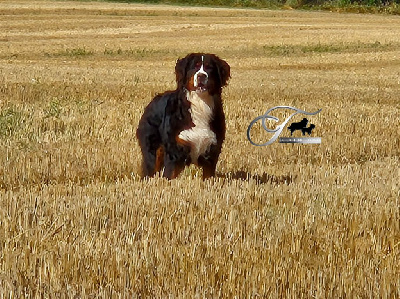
<point x="278" y="221"/>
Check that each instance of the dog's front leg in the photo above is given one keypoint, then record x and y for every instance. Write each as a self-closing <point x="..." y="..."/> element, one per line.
<point x="209" y="165"/>
<point x="173" y="167"/>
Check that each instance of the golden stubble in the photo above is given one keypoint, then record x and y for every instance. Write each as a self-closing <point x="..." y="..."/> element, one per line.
<point x="278" y="221"/>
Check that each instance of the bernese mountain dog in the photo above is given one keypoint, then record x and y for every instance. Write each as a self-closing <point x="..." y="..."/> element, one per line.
<point x="186" y="125"/>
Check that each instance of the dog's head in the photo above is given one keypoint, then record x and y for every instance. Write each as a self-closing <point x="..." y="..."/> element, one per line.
<point x="202" y="73"/>
<point x="304" y="122"/>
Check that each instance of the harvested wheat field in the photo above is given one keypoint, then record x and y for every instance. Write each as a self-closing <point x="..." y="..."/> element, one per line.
<point x="280" y="221"/>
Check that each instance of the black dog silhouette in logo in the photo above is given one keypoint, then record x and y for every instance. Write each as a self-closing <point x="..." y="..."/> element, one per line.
<point x="301" y="126"/>
<point x="308" y="130"/>
<point x="298" y="126"/>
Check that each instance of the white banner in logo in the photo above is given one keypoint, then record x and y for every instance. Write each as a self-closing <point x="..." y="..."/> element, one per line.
<point x="280" y="127"/>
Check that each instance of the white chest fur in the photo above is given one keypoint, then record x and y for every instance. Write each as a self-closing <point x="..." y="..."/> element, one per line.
<point x="200" y="137"/>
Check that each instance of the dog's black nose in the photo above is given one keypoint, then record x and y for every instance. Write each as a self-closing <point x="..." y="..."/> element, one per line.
<point x="202" y="78"/>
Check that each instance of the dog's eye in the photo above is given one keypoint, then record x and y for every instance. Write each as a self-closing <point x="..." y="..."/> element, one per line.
<point x="207" y="66"/>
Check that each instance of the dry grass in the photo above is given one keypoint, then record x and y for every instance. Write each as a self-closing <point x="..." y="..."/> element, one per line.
<point x="294" y="221"/>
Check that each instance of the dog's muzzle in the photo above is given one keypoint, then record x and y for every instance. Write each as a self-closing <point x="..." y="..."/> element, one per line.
<point x="200" y="78"/>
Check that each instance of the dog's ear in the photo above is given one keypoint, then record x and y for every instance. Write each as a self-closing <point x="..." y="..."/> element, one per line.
<point x="180" y="71"/>
<point x="224" y="70"/>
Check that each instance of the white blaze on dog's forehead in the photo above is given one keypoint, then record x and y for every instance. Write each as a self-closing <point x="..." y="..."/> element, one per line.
<point x="201" y="70"/>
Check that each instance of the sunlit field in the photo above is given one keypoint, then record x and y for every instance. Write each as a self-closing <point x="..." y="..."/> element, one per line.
<point x="280" y="221"/>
